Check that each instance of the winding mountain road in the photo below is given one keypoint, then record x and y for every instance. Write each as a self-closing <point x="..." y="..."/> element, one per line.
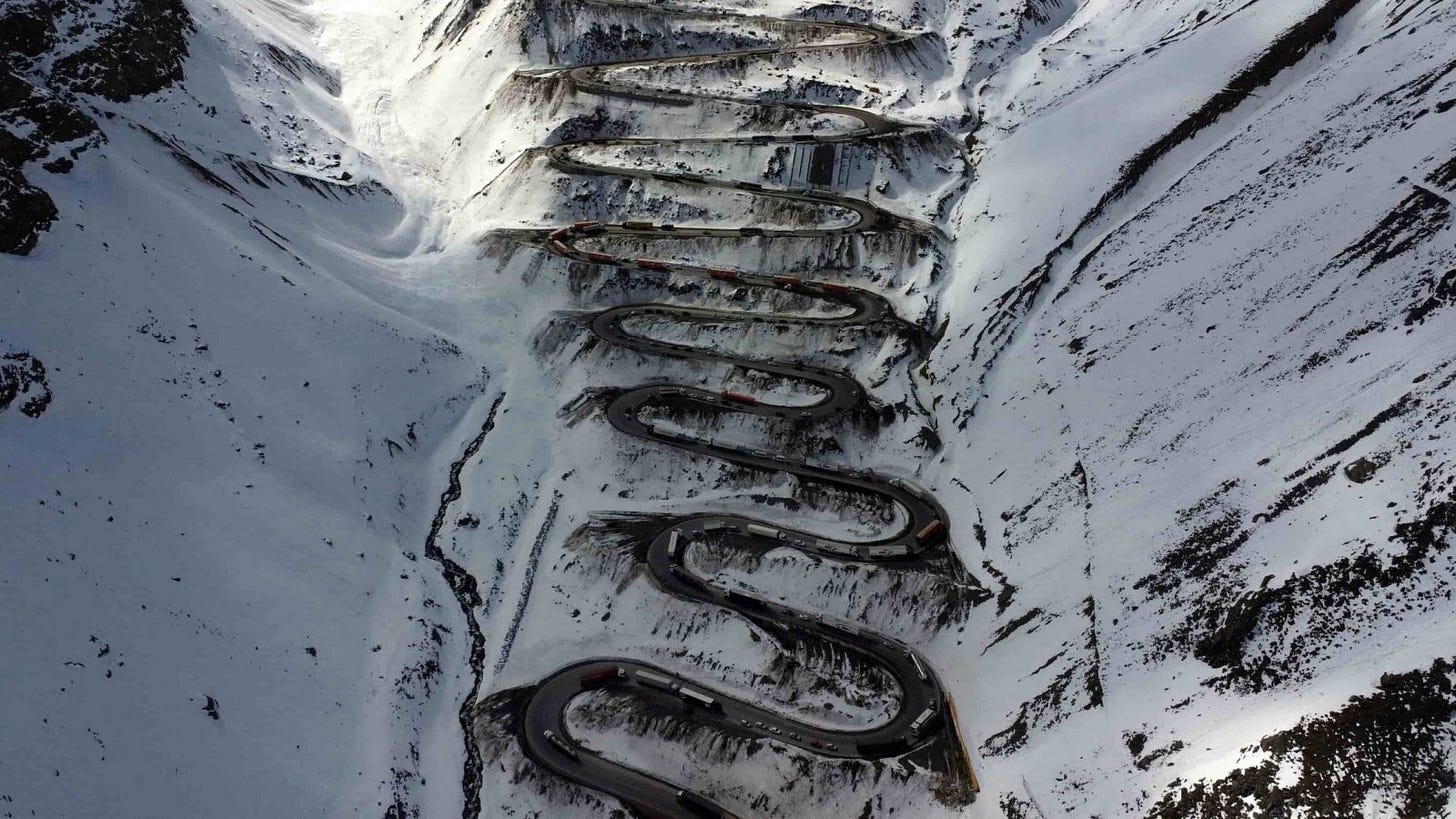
<point x="924" y="709"/>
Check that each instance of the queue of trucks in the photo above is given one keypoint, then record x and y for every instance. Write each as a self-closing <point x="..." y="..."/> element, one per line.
<point x="662" y="682"/>
<point x="880" y="550"/>
<point x="696" y="699"/>
<point x="927" y="535"/>
<point x="932" y="532"/>
<point x="557" y="241"/>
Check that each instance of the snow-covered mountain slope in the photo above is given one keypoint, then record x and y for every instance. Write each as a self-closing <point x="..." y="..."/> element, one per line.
<point x="304" y="472"/>
<point x="1195" y="376"/>
<point x="220" y="441"/>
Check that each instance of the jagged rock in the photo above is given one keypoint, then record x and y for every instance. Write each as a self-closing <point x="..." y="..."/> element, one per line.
<point x="24" y="376"/>
<point x="141" y="53"/>
<point x="25" y="212"/>
<point x="136" y="50"/>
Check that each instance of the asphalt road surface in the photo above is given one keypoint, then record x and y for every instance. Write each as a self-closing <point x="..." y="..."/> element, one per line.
<point x="923" y="705"/>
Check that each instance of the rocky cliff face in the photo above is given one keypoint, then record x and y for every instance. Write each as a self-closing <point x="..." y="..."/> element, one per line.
<point x="55" y="54"/>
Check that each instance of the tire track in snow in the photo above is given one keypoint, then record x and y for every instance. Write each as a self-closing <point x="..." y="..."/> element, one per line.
<point x="533" y="562"/>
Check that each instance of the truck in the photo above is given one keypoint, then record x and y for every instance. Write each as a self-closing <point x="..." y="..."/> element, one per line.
<point x="591" y="679"/>
<point x="746" y="601"/>
<point x="931" y="532"/>
<point x="919" y="724"/>
<point x="658" y="681"/>
<point x="699" y="699"/>
<point x="919" y="667"/>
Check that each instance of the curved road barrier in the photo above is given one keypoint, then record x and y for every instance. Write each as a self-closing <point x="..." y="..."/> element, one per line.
<point x="925" y="709"/>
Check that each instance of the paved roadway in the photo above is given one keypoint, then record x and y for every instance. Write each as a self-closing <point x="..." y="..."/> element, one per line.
<point x="923" y="705"/>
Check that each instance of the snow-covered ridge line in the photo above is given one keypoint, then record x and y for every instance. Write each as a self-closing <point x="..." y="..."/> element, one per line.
<point x="1214" y="442"/>
<point x="1284" y="53"/>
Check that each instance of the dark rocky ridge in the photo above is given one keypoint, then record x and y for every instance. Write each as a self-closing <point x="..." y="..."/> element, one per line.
<point x="132" y="48"/>
<point x="1385" y="751"/>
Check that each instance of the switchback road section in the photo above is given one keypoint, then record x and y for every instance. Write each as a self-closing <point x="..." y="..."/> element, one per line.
<point x="925" y="710"/>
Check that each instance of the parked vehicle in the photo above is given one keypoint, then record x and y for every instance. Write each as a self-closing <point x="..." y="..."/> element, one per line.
<point x="920" y="722"/>
<point x="699" y="699"/>
<point x="602" y="677"/>
<point x="932" y="532"/>
<point x="658" y="681"/>
<point x="919" y="668"/>
<point x="763" y="531"/>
